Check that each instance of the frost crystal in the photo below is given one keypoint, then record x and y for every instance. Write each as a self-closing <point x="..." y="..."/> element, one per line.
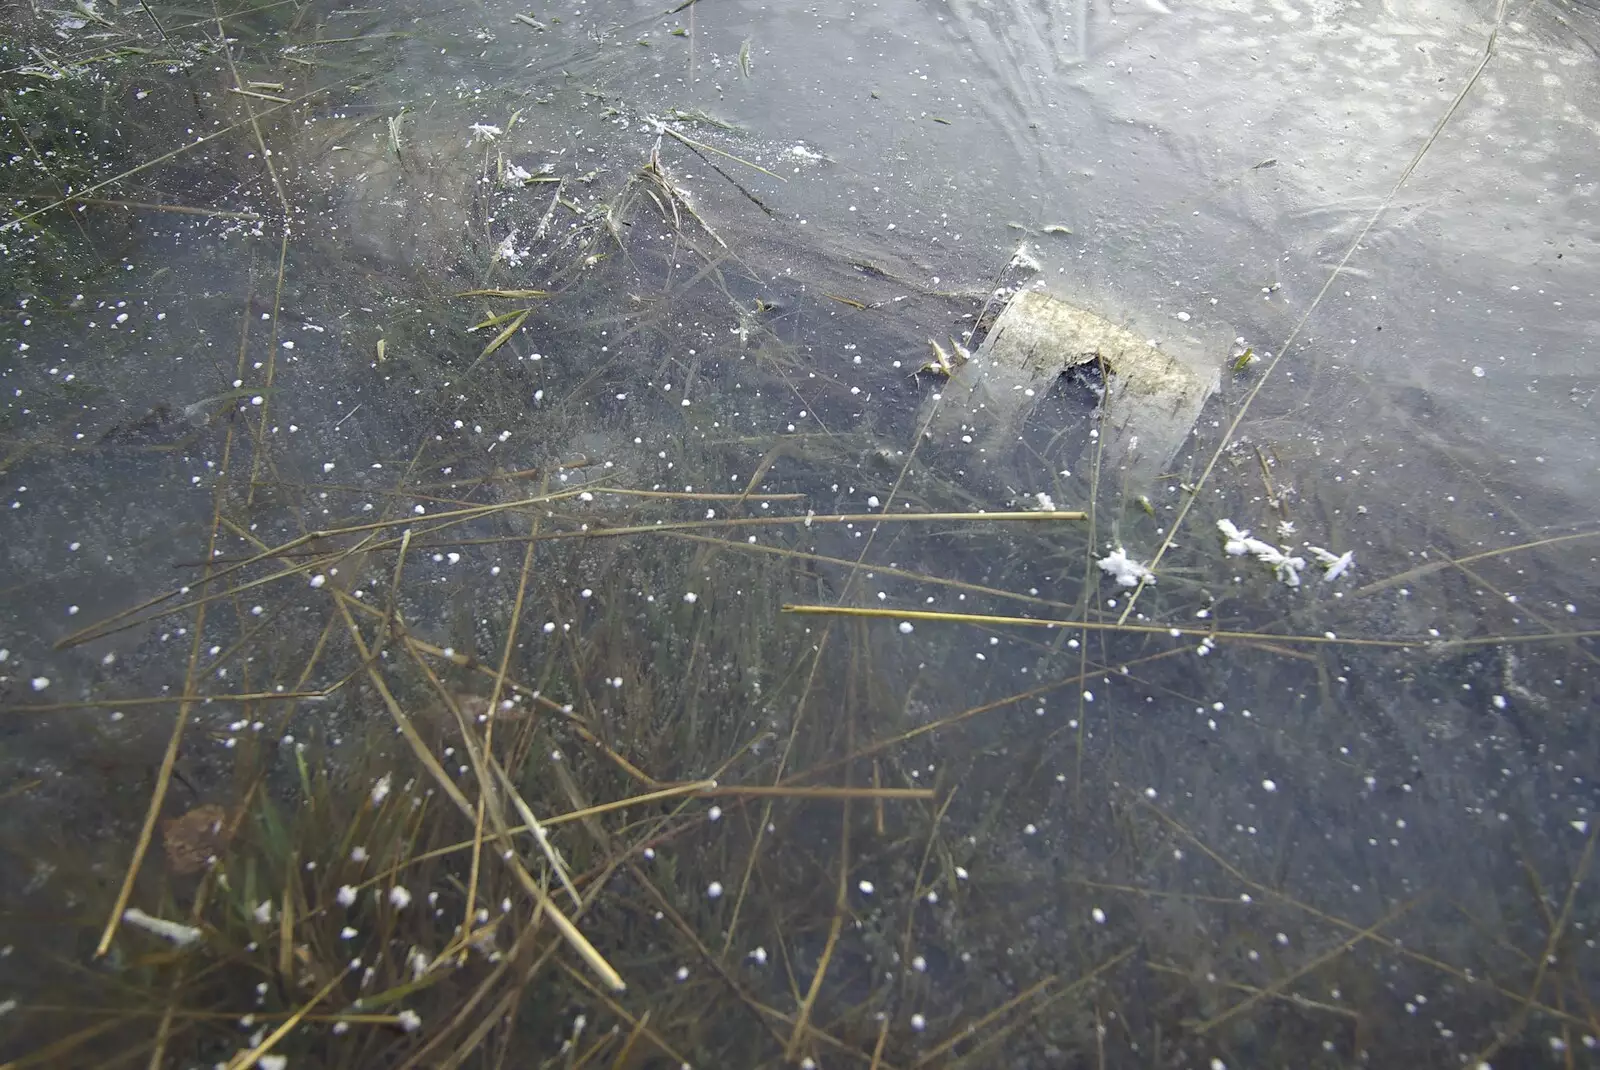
<point x="485" y="132"/>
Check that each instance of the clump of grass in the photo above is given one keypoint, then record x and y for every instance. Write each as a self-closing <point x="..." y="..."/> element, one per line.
<point x="383" y="906"/>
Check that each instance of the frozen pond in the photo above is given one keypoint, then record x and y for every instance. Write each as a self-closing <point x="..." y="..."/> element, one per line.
<point x="422" y="423"/>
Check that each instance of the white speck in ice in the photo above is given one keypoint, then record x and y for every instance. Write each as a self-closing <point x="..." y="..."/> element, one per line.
<point x="40" y="682"/>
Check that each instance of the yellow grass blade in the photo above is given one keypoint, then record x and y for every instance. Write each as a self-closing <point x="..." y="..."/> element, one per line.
<point x="502" y="338"/>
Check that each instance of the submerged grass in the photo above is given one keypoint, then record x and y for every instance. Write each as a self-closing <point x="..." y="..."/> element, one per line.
<point x="547" y="726"/>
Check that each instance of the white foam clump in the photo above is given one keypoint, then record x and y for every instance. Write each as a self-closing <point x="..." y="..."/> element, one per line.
<point x="1239" y="542"/>
<point x="1333" y="565"/>
<point x="508" y="252"/>
<point x="1124" y="569"/>
<point x="1024" y="260"/>
<point x="182" y="935"/>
